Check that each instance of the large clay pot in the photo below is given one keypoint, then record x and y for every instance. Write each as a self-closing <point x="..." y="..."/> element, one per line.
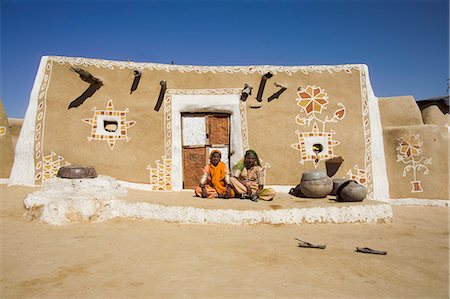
<point x="351" y="191"/>
<point x="315" y="184"/>
<point x="76" y="172"/>
<point x="336" y="184"/>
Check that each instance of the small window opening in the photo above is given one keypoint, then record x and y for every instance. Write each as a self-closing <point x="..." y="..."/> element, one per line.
<point x="110" y="125"/>
<point x="317" y="148"/>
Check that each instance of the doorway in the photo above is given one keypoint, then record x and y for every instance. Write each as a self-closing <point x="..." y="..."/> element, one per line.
<point x="201" y="134"/>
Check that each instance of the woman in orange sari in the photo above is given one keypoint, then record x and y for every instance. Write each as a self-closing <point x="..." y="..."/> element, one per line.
<point x="215" y="181"/>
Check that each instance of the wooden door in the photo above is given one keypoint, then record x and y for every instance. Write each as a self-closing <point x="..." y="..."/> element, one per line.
<point x="203" y="133"/>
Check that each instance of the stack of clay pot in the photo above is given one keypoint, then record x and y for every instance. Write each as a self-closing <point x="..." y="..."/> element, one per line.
<point x="315" y="184"/>
<point x="318" y="184"/>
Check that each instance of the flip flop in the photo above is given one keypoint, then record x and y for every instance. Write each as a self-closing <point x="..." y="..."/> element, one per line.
<point x="304" y="244"/>
<point x="370" y="250"/>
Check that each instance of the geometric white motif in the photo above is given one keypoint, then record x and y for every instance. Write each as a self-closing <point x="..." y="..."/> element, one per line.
<point x="359" y="176"/>
<point x="161" y="175"/>
<point x="102" y="121"/>
<point x="51" y="164"/>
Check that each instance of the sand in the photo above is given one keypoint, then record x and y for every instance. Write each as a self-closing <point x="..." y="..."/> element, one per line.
<point x="126" y="258"/>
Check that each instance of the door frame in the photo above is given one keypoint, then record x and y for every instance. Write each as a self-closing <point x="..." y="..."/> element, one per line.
<point x="203" y="101"/>
<point x="208" y="145"/>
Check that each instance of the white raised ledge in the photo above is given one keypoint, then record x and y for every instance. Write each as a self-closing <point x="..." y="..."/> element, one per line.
<point x="417" y="202"/>
<point x="65" y="210"/>
<point x="62" y="201"/>
<point x="285" y="189"/>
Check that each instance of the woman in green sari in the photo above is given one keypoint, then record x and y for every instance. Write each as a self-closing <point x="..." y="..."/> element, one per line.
<point x="248" y="179"/>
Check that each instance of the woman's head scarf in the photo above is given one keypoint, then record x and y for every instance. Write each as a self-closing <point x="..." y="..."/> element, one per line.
<point x="241" y="164"/>
<point x="213" y="152"/>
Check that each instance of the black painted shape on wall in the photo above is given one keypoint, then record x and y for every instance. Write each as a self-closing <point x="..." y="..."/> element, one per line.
<point x="161" y="95"/>
<point x="84" y="96"/>
<point x="262" y="84"/>
<point x="86" y="76"/>
<point x="277" y="94"/>
<point x="137" y="76"/>
<point x="95" y="85"/>
<point x="246" y="92"/>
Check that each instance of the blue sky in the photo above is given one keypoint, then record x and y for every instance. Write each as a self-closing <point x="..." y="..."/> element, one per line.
<point x="404" y="43"/>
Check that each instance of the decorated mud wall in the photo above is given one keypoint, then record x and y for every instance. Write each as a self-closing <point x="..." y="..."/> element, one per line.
<point x="129" y="120"/>
<point x="15" y="125"/>
<point x="417" y="154"/>
<point x="6" y="147"/>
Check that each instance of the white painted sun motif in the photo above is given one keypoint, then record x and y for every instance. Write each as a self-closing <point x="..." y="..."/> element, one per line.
<point x="110" y="125"/>
<point x="308" y="141"/>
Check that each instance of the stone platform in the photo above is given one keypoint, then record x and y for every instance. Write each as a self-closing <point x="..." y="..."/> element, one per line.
<point x="63" y="201"/>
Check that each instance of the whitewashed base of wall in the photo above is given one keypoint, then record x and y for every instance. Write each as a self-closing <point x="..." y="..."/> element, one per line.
<point x="63" y="201"/>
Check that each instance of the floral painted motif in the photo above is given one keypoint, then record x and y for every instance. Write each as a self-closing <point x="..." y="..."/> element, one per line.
<point x="409" y="151"/>
<point x="312" y="99"/>
<point x="110" y="125"/>
<point x="318" y="144"/>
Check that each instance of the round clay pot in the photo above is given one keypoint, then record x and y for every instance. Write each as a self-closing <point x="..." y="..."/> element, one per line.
<point x="76" y="172"/>
<point x="312" y="175"/>
<point x="351" y="191"/>
<point x="315" y="184"/>
<point x="336" y="184"/>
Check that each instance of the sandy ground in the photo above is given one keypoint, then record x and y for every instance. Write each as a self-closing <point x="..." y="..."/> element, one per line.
<point x="134" y="258"/>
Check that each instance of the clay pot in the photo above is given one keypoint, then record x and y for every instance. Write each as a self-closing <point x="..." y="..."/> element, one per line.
<point x="312" y="175"/>
<point x="315" y="184"/>
<point x="351" y="191"/>
<point x="76" y="172"/>
<point x="336" y="184"/>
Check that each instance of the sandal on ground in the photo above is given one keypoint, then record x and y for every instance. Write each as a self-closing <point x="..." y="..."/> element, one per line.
<point x="304" y="244"/>
<point x="370" y="250"/>
<point x="254" y="198"/>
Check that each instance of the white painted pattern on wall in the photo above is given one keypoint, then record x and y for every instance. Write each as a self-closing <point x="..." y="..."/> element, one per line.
<point x="318" y="144"/>
<point x="103" y="118"/>
<point x="410" y="152"/>
<point x="259" y="69"/>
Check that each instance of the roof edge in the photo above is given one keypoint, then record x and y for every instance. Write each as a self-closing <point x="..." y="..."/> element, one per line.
<point x="262" y="69"/>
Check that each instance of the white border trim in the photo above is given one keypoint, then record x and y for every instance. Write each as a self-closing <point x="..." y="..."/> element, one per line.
<point x="250" y="69"/>
<point x="379" y="171"/>
<point x="23" y="172"/>
<point x="417" y="202"/>
<point x="4" y="181"/>
<point x="228" y="103"/>
<point x="139" y="186"/>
